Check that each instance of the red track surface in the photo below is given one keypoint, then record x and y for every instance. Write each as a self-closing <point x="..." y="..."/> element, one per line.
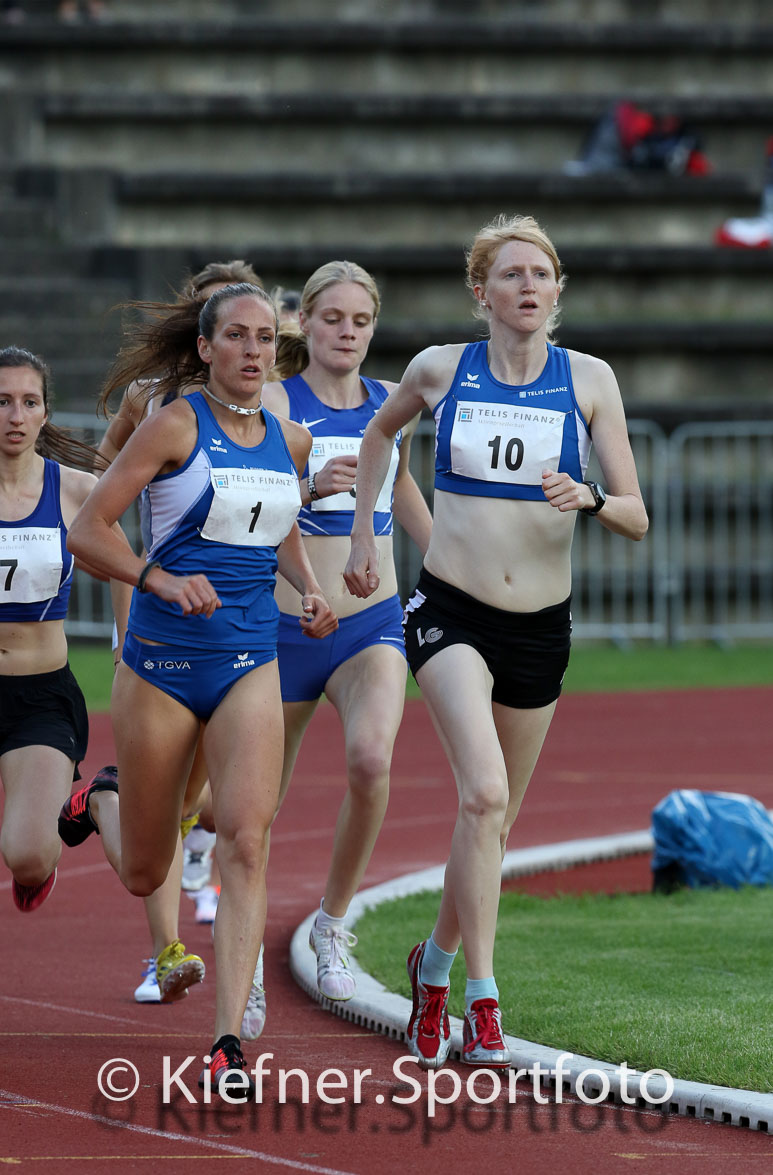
<point x="69" y="971"/>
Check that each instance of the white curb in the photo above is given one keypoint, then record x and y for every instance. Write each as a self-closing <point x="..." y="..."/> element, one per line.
<point x="382" y="1011"/>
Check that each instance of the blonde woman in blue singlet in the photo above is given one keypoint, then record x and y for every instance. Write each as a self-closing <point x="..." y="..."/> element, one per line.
<point x="361" y="668"/>
<point x="488" y="627"/>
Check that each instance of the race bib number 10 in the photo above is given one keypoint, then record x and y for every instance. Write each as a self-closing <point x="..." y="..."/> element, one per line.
<point x="505" y="443"/>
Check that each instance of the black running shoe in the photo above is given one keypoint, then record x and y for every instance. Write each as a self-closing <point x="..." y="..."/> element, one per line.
<point x="228" y="1070"/>
<point x="75" y="822"/>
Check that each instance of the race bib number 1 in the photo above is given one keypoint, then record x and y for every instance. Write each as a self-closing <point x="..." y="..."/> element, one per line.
<point x="251" y="507"/>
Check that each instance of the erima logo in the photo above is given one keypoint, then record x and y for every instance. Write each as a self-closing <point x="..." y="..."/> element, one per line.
<point x="217" y="445"/>
<point x="470" y="381"/>
<point x="242" y="662"/>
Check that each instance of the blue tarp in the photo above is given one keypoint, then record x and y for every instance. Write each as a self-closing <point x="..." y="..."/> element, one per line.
<point x="713" y="838"/>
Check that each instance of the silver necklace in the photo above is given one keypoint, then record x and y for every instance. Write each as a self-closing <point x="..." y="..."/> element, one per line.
<point x="232" y="407"/>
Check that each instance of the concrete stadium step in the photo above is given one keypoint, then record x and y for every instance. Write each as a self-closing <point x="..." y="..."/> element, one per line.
<point x="417" y="209"/>
<point x="614" y="284"/>
<point x="558" y="10"/>
<point x="58" y="297"/>
<point x="394" y="132"/>
<point x="419" y="55"/>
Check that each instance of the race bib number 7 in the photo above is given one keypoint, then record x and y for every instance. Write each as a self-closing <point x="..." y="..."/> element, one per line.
<point x="30" y="564"/>
<point x="505" y="443"/>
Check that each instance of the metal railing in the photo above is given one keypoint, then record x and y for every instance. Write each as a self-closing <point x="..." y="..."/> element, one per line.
<point x="704" y="571"/>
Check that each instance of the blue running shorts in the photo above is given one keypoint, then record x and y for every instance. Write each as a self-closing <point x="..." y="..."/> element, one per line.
<point x="306" y="665"/>
<point x="198" y="679"/>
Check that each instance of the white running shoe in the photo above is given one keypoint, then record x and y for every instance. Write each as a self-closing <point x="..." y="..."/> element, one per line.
<point x="148" y="991"/>
<point x="198" y="847"/>
<point x="254" y="1019"/>
<point x="206" y="904"/>
<point x="335" y="978"/>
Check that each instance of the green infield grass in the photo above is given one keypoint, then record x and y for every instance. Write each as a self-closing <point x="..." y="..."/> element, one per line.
<point x="678" y="982"/>
<point x="592" y="668"/>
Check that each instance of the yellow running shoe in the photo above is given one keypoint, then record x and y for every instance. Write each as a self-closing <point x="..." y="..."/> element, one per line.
<point x="176" y="971"/>
<point x="187" y="823"/>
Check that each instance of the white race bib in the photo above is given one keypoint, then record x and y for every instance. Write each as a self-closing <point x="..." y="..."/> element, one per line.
<point x="505" y="443"/>
<point x="251" y="507"/>
<point x="324" y="448"/>
<point x="30" y="564"/>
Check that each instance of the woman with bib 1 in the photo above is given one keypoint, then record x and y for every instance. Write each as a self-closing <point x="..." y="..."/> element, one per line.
<point x="488" y="627"/>
<point x="362" y="668"/>
<point x="222" y="498"/>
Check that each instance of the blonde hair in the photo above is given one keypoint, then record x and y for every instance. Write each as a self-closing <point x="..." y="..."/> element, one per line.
<point x="292" y="351"/>
<point x="490" y="239"/>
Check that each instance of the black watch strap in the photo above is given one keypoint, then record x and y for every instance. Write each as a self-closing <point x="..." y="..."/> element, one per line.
<point x="599" y="498"/>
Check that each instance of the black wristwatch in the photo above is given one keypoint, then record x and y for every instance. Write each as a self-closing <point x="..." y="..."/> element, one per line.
<point x="599" y="498"/>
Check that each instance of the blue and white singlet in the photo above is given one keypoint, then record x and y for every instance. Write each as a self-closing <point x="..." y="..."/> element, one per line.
<point x="338" y="432"/>
<point x="35" y="565"/>
<point x="223" y="513"/>
<point x="494" y="439"/>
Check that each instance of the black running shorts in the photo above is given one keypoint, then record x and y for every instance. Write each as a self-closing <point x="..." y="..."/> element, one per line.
<point x="44" y="710"/>
<point x="526" y="652"/>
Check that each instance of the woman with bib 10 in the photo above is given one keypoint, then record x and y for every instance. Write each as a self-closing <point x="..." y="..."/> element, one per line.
<point x="488" y="627"/>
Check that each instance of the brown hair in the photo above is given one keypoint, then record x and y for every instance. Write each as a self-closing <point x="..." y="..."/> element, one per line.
<point x="490" y="239"/>
<point x="292" y="352"/>
<point x="163" y="347"/>
<point x="229" y="272"/>
<point x="55" y="443"/>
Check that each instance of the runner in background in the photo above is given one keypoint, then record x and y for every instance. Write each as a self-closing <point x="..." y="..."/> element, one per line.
<point x="43" y="721"/>
<point x="362" y="668"/>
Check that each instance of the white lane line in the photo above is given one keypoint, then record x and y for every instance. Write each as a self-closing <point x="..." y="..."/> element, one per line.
<point x="293" y="1164"/>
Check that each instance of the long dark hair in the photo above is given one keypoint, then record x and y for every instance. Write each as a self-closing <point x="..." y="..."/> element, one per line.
<point x="53" y="442"/>
<point x="163" y="348"/>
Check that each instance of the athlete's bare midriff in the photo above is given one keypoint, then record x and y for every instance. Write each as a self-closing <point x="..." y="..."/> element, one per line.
<point x="513" y="555"/>
<point x="36" y="646"/>
<point x="328" y="555"/>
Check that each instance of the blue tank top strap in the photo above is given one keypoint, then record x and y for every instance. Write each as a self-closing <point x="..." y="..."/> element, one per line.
<point x="494" y="439"/>
<point x="35" y="550"/>
<point x="338" y="432"/>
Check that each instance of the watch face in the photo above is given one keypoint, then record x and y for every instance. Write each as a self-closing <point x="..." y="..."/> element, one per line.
<point x="599" y="497"/>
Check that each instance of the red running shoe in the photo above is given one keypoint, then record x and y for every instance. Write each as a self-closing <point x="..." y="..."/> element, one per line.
<point x="29" y="897"/>
<point x="75" y="823"/>
<point x="429" y="1030"/>
<point x="484" y="1043"/>
<point x="228" y="1071"/>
